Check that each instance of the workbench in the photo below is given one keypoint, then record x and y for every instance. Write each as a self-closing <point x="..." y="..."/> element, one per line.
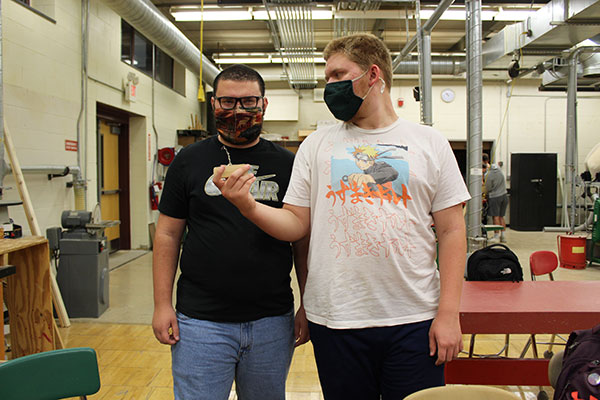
<point x="539" y="307"/>
<point x="27" y="296"/>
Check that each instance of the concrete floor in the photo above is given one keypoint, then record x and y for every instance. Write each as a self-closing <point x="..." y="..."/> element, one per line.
<point x="131" y="284"/>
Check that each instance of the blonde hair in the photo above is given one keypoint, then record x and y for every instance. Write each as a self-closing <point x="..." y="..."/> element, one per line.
<point x="364" y="49"/>
<point x="369" y="151"/>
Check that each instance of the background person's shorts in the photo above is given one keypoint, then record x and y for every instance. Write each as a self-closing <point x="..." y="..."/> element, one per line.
<point x="497" y="206"/>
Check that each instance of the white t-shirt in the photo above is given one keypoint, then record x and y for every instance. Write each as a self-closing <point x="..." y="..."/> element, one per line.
<point x="371" y="194"/>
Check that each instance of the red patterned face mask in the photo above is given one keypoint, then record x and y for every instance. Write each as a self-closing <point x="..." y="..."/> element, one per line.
<point x="239" y="126"/>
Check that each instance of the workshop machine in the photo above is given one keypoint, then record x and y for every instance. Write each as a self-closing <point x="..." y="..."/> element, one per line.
<point x="82" y="267"/>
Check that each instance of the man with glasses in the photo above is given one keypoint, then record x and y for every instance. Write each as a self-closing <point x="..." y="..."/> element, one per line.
<point x="234" y="316"/>
<point x="382" y="319"/>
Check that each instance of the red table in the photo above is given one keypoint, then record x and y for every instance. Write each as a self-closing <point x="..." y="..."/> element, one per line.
<point x="522" y="308"/>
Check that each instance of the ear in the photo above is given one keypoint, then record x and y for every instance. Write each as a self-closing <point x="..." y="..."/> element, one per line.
<point x="212" y="102"/>
<point x="374" y="74"/>
<point x="265" y="104"/>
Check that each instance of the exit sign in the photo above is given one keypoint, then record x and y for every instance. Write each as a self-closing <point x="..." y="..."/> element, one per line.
<point x="70" y="145"/>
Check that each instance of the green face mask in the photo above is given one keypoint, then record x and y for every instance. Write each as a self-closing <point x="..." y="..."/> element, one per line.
<point x="341" y="99"/>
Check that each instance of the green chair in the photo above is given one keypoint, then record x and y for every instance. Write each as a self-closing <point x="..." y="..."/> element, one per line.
<point x="50" y="375"/>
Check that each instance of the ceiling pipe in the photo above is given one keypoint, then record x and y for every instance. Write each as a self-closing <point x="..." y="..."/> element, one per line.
<point x="150" y="22"/>
<point x="439" y="66"/>
<point x="427" y="27"/>
<point x="591" y="63"/>
<point x="556" y="23"/>
<point x="50" y="170"/>
<point x="571" y="139"/>
<point x="474" y="122"/>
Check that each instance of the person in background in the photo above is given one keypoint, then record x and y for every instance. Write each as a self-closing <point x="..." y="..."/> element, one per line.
<point x="485" y="160"/>
<point x="234" y="318"/>
<point x="484" y="196"/>
<point x="382" y="319"/>
<point x="497" y="197"/>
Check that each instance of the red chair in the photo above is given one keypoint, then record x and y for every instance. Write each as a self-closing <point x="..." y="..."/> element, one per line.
<point x="541" y="262"/>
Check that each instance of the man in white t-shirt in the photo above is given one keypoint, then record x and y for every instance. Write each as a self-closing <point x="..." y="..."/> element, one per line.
<point x="383" y="320"/>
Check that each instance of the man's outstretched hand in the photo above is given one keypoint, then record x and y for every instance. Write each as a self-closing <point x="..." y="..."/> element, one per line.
<point x="236" y="188"/>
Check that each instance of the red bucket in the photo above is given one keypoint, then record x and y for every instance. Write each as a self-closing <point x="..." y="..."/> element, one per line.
<point x="571" y="250"/>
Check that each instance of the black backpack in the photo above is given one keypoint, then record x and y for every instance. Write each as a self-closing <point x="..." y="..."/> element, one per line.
<point x="579" y="376"/>
<point x="494" y="263"/>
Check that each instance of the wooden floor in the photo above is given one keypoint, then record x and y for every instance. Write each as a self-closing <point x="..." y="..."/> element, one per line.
<point x="133" y="365"/>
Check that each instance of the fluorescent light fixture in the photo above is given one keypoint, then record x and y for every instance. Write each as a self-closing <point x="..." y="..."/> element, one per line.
<point x="182" y="14"/>
<point x="514" y="15"/>
<point x="457" y="15"/>
<point x="486" y="15"/>
<point x="193" y="13"/>
<point x="242" y="60"/>
<point x="586" y="42"/>
<point x="321" y="13"/>
<point x="256" y="58"/>
<point x="369" y="14"/>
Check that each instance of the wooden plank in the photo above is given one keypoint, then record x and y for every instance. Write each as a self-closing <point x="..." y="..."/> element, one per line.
<point x="10" y="245"/>
<point x="61" y="311"/>
<point x="58" y="341"/>
<point x="29" y="302"/>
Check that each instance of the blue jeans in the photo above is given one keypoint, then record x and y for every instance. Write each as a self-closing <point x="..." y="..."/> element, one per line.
<point x="210" y="355"/>
<point x="386" y="363"/>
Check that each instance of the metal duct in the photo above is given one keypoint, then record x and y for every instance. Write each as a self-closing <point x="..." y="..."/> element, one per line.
<point x="591" y="65"/>
<point x="475" y="123"/>
<point x="556" y="71"/>
<point x="439" y="66"/>
<point x="51" y="170"/>
<point x="559" y="25"/>
<point x="571" y="139"/>
<point x="148" y="20"/>
<point x="591" y="62"/>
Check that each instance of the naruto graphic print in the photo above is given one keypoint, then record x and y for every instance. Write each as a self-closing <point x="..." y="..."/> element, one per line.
<point x="369" y="172"/>
<point x="368" y="196"/>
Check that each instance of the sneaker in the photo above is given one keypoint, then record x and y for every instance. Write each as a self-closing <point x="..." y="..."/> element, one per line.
<point x="502" y="239"/>
<point x="495" y="239"/>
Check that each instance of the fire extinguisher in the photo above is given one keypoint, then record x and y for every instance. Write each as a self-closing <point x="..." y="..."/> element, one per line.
<point x="155" y="189"/>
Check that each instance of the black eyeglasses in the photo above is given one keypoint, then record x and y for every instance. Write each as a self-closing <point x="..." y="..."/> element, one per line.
<point x="229" y="103"/>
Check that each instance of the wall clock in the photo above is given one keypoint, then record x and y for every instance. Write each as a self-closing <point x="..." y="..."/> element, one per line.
<point x="448" y="95"/>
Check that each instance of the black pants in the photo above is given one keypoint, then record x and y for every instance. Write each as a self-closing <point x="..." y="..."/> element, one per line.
<point x="386" y="363"/>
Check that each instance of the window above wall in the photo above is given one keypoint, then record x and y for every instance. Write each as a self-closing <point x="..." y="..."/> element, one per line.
<point x="136" y="50"/>
<point x="44" y="8"/>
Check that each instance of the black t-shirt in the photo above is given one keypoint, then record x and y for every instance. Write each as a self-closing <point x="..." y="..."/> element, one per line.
<point x="231" y="271"/>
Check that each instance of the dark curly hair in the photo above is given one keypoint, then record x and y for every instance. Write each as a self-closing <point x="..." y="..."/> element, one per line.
<point x="240" y="72"/>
